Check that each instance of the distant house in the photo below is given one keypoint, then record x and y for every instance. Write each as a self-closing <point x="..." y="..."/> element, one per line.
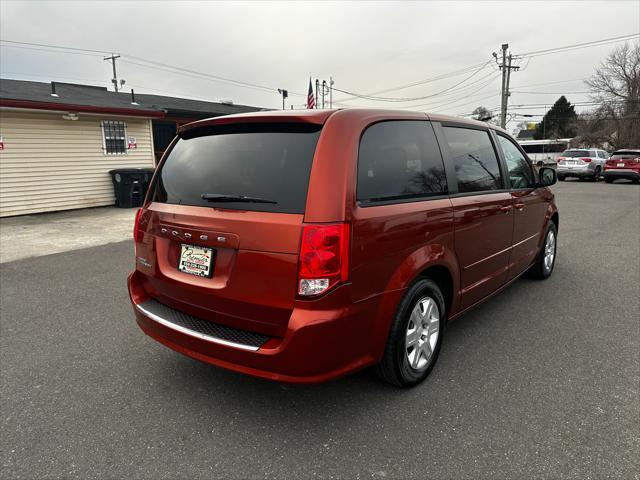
<point x="526" y="134"/>
<point x="58" y="141"/>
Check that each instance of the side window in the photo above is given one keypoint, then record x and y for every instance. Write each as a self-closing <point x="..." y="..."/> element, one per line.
<point x="474" y="159"/>
<point x="399" y="159"/>
<point x="520" y="173"/>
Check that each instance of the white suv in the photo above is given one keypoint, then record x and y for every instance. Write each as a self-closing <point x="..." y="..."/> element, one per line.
<point x="582" y="163"/>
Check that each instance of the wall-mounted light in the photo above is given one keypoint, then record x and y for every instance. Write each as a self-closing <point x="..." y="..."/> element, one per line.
<point x="70" y="116"/>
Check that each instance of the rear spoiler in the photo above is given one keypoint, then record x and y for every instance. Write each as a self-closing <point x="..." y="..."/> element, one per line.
<point x="310" y="117"/>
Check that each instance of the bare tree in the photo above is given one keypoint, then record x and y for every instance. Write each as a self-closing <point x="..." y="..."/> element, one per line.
<point x="485" y="115"/>
<point x="615" y="85"/>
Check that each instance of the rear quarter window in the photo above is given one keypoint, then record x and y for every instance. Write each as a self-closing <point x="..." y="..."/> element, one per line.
<point x="272" y="163"/>
<point x="399" y="160"/>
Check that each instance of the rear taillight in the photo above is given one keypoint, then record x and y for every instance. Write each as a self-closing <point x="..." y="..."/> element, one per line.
<point x="586" y="159"/>
<point x="324" y="258"/>
<point x="137" y="232"/>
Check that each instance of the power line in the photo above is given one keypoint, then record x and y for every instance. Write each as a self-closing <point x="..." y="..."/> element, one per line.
<point x="98" y="53"/>
<point x="550" y="93"/>
<point x="465" y="95"/>
<point x="413" y="99"/>
<point x="36" y="49"/>
<point x="577" y="46"/>
<point x="146" y="63"/>
<point x="452" y="74"/>
<point x="550" y="83"/>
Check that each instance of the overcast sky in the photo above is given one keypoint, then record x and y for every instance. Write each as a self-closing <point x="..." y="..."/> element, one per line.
<point x="366" y="47"/>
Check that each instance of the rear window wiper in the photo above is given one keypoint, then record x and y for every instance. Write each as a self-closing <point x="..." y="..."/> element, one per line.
<point x="219" y="197"/>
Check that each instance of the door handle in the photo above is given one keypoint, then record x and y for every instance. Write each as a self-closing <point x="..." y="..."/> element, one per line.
<point x="519" y="206"/>
<point x="505" y="209"/>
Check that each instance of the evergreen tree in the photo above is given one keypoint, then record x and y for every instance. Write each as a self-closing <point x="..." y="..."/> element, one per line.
<point x="558" y="122"/>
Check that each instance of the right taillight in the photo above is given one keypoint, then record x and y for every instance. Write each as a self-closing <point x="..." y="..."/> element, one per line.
<point x="586" y="159"/>
<point x="137" y="232"/>
<point x="324" y="258"/>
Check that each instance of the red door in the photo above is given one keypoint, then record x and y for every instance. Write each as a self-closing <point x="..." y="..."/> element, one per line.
<point x="483" y="231"/>
<point x="483" y="211"/>
<point x="529" y="207"/>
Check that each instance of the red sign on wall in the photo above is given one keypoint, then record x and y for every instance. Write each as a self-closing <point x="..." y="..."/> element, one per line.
<point x="1" y="143"/>
<point x="132" y="143"/>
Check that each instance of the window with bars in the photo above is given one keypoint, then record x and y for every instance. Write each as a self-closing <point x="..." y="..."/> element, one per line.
<point x="115" y="137"/>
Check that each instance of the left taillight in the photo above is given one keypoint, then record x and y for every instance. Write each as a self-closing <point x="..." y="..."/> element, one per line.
<point x="324" y="258"/>
<point x="137" y="232"/>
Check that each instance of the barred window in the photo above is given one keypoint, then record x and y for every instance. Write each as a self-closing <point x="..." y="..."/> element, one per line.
<point x="115" y="137"/>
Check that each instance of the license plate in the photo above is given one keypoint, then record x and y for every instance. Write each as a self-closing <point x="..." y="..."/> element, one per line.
<point x="196" y="260"/>
<point x="621" y="164"/>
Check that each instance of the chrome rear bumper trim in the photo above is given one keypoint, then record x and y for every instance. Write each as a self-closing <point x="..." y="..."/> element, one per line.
<point x="194" y="333"/>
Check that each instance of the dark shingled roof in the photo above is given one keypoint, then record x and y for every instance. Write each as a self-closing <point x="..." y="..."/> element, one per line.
<point x="526" y="134"/>
<point x="100" y="98"/>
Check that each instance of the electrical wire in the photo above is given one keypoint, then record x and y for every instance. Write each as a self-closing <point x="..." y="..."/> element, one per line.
<point x="577" y="46"/>
<point x="413" y="99"/>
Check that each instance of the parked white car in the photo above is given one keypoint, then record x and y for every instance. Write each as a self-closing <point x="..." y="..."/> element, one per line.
<point x="583" y="163"/>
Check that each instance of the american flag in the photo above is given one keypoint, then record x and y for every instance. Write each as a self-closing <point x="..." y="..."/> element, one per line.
<point x="311" y="100"/>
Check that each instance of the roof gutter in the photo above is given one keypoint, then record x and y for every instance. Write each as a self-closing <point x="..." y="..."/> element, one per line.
<point x="134" y="112"/>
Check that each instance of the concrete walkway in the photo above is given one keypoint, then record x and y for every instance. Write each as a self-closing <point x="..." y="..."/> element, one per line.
<point x="47" y="233"/>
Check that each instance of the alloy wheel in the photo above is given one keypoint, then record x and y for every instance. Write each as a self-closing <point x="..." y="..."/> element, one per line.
<point x="422" y="333"/>
<point x="549" y="250"/>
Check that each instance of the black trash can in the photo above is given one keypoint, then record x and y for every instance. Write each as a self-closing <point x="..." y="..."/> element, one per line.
<point x="130" y="185"/>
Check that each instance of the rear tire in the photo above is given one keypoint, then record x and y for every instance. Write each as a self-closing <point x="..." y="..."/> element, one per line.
<point x="546" y="259"/>
<point x="596" y="175"/>
<point x="415" y="336"/>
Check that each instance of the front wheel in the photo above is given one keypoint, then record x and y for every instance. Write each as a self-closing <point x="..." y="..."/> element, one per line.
<point x="546" y="259"/>
<point x="415" y="337"/>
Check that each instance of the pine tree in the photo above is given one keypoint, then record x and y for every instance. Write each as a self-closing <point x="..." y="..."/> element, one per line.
<point x="558" y="122"/>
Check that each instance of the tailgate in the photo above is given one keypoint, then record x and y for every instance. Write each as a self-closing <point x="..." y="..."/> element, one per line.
<point x="254" y="264"/>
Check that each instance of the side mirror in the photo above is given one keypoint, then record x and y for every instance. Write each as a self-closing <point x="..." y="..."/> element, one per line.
<point x="548" y="176"/>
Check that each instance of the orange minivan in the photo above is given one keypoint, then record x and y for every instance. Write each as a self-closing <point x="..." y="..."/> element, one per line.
<point x="301" y="246"/>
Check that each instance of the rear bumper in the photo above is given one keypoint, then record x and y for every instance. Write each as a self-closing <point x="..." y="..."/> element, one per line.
<point x="622" y="173"/>
<point x="585" y="171"/>
<point x="320" y="343"/>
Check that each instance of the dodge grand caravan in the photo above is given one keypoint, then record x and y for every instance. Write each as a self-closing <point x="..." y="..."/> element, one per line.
<point x="302" y="246"/>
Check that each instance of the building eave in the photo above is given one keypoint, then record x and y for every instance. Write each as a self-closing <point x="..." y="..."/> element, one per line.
<point x="32" y="105"/>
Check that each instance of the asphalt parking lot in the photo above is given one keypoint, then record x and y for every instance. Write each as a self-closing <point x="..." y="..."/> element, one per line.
<point x="541" y="381"/>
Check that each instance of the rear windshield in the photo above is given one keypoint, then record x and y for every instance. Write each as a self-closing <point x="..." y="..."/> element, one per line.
<point x="622" y="155"/>
<point x="268" y="166"/>
<point x="578" y="153"/>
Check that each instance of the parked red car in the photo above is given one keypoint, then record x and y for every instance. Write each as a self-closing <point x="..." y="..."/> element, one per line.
<point x="623" y="164"/>
<point x="302" y="246"/>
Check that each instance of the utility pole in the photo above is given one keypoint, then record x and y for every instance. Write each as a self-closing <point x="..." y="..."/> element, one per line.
<point x="506" y="68"/>
<point x="330" y="92"/>
<point x="284" y="93"/>
<point x="114" y="80"/>
<point x="324" y="91"/>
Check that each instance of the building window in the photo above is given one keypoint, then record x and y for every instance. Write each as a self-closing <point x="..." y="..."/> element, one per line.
<point x="115" y="137"/>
